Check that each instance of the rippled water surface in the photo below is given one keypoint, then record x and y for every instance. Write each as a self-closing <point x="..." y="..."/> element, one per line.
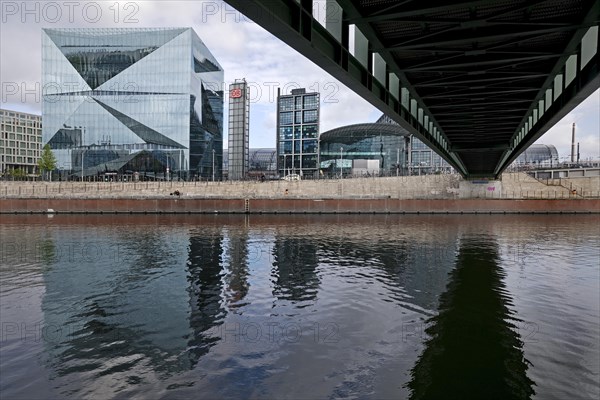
<point x="365" y="307"/>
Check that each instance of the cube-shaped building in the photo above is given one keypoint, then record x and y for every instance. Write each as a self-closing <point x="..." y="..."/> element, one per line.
<point x="147" y="101"/>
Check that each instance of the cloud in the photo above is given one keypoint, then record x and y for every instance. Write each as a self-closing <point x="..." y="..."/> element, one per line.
<point x="586" y="117"/>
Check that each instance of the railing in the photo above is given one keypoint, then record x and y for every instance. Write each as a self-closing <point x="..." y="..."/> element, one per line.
<point x="573" y="189"/>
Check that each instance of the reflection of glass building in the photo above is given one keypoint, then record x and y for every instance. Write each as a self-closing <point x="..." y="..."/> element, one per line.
<point x="539" y="155"/>
<point x="297" y="133"/>
<point x="239" y="129"/>
<point x="294" y="275"/>
<point x="111" y="93"/>
<point x="364" y="148"/>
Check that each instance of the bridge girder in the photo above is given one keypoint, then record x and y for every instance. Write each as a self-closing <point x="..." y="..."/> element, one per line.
<point x="478" y="81"/>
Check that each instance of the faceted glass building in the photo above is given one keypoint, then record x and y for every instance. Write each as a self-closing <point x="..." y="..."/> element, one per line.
<point x="297" y="133"/>
<point x="111" y="93"/>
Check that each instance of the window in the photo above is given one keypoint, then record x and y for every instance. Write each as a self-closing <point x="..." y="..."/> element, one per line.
<point x="310" y="116"/>
<point x="311" y="101"/>
<point x="418" y="145"/>
<point x="298" y="118"/>
<point x="285" y="118"/>
<point x="298" y="102"/>
<point x="285" y="133"/>
<point x="309" y="161"/>
<point x="309" y="146"/>
<point x="286" y="147"/>
<point x="309" y="132"/>
<point x="286" y="103"/>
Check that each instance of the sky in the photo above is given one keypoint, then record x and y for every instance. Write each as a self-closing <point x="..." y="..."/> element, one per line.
<point x="243" y="49"/>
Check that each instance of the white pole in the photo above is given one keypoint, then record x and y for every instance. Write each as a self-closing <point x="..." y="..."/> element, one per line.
<point x="82" y="150"/>
<point x="398" y="162"/>
<point x="213" y="165"/>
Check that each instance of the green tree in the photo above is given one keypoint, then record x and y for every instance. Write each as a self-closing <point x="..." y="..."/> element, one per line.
<point x="17" y="174"/>
<point x="47" y="161"/>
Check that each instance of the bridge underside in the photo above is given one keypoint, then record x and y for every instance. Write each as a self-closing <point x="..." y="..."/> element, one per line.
<point x="478" y="81"/>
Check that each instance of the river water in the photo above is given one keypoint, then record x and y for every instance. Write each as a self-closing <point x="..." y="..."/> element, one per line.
<point x="369" y="307"/>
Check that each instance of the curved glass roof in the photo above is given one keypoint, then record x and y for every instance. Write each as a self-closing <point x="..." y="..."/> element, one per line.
<point x="350" y="133"/>
<point x="537" y="153"/>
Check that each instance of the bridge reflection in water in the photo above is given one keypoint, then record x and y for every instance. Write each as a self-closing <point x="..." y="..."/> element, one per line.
<point x="474" y="350"/>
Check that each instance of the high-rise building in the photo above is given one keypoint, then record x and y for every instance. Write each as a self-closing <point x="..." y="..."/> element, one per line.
<point x="132" y="100"/>
<point x="239" y="130"/>
<point x="20" y="142"/>
<point x="298" y="133"/>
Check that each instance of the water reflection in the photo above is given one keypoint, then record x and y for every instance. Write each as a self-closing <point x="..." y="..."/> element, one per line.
<point x="474" y="350"/>
<point x="206" y="286"/>
<point x="116" y="319"/>
<point x="294" y="269"/>
<point x="296" y="307"/>
<point x="237" y="264"/>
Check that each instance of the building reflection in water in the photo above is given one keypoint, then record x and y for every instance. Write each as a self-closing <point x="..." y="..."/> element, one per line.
<point x="205" y="275"/>
<point x="474" y="350"/>
<point x="294" y="273"/>
<point x="237" y="267"/>
<point x="115" y="308"/>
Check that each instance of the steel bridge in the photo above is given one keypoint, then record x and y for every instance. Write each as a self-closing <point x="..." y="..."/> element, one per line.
<point x="478" y="81"/>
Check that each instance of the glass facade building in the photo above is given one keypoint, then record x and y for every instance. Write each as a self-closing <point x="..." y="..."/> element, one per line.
<point x="421" y="160"/>
<point x="538" y="155"/>
<point x="239" y="130"/>
<point x="20" y="142"/>
<point x="262" y="161"/>
<point x="297" y="133"/>
<point x="364" y="149"/>
<point x="112" y="93"/>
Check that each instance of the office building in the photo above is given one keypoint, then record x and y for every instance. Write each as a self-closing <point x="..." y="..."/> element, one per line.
<point x="239" y="130"/>
<point x="20" y="142"/>
<point x="145" y="101"/>
<point x="297" y="133"/>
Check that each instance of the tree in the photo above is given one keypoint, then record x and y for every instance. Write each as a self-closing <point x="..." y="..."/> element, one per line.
<point x="47" y="161"/>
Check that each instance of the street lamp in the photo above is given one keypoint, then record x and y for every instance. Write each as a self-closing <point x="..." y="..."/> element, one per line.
<point x="82" y="150"/>
<point x="398" y="162"/>
<point x="341" y="162"/>
<point x="213" y="165"/>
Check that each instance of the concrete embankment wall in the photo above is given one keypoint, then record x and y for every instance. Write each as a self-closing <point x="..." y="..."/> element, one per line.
<point x="417" y="194"/>
<point x="512" y="186"/>
<point x="296" y="206"/>
<point x="435" y="186"/>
